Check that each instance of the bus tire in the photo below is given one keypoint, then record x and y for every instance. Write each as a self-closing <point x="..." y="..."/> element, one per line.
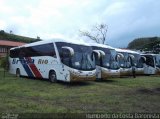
<point x="52" y="76"/>
<point x="18" y="74"/>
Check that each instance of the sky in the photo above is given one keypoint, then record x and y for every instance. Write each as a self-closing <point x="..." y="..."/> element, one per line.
<point x="126" y="19"/>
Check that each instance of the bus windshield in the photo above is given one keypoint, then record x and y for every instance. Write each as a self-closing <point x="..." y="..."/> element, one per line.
<point x="108" y="61"/>
<point x="125" y="62"/>
<point x="157" y="61"/>
<point x="82" y="58"/>
<point x="149" y="60"/>
<point x="137" y="61"/>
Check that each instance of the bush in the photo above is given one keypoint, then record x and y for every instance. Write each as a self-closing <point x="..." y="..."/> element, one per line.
<point x="4" y="63"/>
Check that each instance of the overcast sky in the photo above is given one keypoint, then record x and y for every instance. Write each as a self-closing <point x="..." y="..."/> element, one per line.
<point x="126" y="19"/>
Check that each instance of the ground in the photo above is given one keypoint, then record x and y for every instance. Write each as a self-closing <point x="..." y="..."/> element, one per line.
<point x="117" y="95"/>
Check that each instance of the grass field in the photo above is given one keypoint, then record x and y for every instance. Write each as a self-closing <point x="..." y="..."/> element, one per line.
<point x="119" y="95"/>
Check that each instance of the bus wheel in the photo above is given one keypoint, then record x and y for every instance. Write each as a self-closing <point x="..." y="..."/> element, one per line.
<point x="18" y="73"/>
<point x="52" y="76"/>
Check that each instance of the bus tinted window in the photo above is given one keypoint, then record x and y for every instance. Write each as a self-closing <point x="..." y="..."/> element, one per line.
<point x="149" y="60"/>
<point x="39" y="50"/>
<point x="14" y="53"/>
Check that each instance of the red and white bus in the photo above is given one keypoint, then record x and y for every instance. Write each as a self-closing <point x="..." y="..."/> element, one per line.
<point x="54" y="60"/>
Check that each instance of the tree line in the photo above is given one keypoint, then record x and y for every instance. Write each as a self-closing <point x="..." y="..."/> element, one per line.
<point x="144" y="43"/>
<point x="12" y="37"/>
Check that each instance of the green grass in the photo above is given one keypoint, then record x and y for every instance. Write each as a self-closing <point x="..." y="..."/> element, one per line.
<point x="120" y="95"/>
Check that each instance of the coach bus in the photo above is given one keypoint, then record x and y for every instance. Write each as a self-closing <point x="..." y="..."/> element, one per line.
<point x="106" y="62"/>
<point x="54" y="60"/>
<point x="152" y="64"/>
<point x="137" y="61"/>
<point x="125" y="62"/>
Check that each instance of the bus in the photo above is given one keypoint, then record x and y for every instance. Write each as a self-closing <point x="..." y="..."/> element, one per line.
<point x="152" y="64"/>
<point x="54" y="60"/>
<point x="137" y="61"/>
<point x="125" y="62"/>
<point x="106" y="61"/>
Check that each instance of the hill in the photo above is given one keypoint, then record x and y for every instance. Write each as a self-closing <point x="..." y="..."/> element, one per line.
<point x="12" y="37"/>
<point x="148" y="43"/>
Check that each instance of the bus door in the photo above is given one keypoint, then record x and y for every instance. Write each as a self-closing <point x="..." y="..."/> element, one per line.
<point x="67" y="54"/>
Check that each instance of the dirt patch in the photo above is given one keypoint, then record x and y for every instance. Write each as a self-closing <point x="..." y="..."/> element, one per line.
<point x="105" y="81"/>
<point x="149" y="91"/>
<point x="157" y="90"/>
<point x="145" y="91"/>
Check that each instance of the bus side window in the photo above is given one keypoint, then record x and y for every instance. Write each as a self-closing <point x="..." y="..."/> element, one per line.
<point x="22" y="53"/>
<point x="41" y="50"/>
<point x="14" y="53"/>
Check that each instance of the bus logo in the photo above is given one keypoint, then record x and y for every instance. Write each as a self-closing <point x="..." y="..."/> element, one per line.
<point x="41" y="61"/>
<point x="23" y="61"/>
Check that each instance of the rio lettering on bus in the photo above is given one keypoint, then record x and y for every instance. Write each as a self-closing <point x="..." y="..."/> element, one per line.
<point x="42" y="61"/>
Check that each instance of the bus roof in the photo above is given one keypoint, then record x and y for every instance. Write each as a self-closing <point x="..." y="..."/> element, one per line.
<point x="120" y="50"/>
<point x="51" y="41"/>
<point x="131" y="51"/>
<point x="126" y="50"/>
<point x="151" y="54"/>
<point x="101" y="45"/>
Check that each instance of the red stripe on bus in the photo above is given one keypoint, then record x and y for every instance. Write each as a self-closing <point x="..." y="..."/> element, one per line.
<point x="34" y="69"/>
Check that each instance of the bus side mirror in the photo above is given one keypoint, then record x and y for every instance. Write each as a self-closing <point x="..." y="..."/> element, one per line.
<point x="102" y="53"/>
<point x="143" y="59"/>
<point x="131" y="56"/>
<point x="119" y="56"/>
<point x="97" y="53"/>
<point x="71" y="51"/>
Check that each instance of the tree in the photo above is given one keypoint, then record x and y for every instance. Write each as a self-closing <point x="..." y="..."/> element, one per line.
<point x="98" y="33"/>
<point x="38" y="37"/>
<point x="10" y="31"/>
<point x="2" y="32"/>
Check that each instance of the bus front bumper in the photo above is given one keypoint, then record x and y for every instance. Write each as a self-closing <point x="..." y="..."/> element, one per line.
<point x="105" y="74"/>
<point x="75" y="77"/>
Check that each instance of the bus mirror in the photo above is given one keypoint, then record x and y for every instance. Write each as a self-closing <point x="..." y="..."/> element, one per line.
<point x="120" y="55"/>
<point x="143" y="59"/>
<point x="131" y="56"/>
<point x="97" y="53"/>
<point x="102" y="53"/>
<point x="71" y="51"/>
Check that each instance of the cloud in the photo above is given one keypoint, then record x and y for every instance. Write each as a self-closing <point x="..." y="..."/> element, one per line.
<point x="127" y="19"/>
<point x="2" y="24"/>
<point x="133" y="19"/>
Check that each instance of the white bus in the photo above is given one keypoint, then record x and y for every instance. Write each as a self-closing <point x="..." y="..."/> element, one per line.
<point x="152" y="64"/>
<point x="125" y="62"/>
<point x="106" y="64"/>
<point x="54" y="60"/>
<point x="137" y="61"/>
